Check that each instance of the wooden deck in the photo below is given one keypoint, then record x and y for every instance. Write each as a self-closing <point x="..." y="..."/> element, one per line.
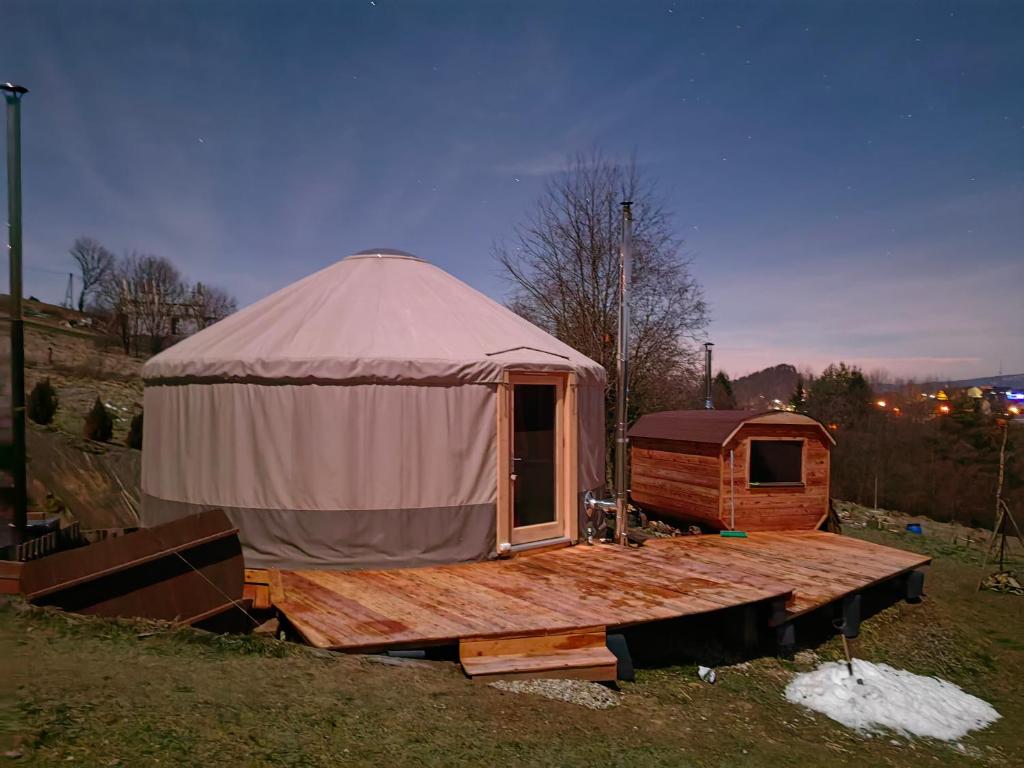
<point x="578" y="587"/>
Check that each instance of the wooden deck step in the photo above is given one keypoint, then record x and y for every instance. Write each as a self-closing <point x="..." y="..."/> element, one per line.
<point x="581" y="654"/>
<point x="257" y="588"/>
<point x="258" y="594"/>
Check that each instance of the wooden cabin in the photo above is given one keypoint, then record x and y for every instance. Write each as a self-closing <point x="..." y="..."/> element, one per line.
<point x="732" y="470"/>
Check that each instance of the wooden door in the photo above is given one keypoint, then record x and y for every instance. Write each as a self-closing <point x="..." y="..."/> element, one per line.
<point x="535" y="437"/>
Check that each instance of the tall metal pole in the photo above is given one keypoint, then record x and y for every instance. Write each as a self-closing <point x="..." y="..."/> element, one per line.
<point x="709" y="403"/>
<point x="13" y="94"/>
<point x="732" y="489"/>
<point x="622" y="388"/>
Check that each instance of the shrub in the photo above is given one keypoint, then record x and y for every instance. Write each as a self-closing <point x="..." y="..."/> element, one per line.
<point x="134" y="439"/>
<point x="42" y="402"/>
<point x="99" y="425"/>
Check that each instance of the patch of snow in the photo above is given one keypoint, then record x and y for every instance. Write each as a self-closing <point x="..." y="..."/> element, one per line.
<point x="890" y="698"/>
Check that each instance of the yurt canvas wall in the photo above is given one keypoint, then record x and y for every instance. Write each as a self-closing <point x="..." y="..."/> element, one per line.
<point x="379" y="413"/>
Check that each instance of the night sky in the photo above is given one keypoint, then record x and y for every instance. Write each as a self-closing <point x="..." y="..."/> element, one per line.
<point x="848" y="177"/>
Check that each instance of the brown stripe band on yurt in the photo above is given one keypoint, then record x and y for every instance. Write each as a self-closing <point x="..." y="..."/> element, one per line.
<point x="178" y="381"/>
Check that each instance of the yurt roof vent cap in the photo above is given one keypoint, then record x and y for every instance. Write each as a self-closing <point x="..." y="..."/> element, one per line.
<point x="384" y="253"/>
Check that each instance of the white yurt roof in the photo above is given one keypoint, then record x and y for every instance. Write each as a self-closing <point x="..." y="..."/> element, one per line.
<point x="378" y="316"/>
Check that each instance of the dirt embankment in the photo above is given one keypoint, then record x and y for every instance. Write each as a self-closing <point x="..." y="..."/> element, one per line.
<point x="98" y="483"/>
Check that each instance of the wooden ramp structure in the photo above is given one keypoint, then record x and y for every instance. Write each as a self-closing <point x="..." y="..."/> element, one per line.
<point x="187" y="571"/>
<point x="546" y="615"/>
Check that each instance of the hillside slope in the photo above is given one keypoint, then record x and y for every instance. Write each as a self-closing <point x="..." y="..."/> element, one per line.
<point x="92" y="692"/>
<point x="98" y="483"/>
<point x="757" y="390"/>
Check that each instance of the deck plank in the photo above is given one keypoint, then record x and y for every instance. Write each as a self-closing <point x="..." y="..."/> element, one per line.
<point x="821" y="567"/>
<point x="577" y="587"/>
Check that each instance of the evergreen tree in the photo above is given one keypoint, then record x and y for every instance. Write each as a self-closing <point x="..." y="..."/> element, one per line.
<point x="799" y="397"/>
<point x="42" y="402"/>
<point x="99" y="425"/>
<point x="134" y="439"/>
<point x="722" y="395"/>
<point x="841" y="395"/>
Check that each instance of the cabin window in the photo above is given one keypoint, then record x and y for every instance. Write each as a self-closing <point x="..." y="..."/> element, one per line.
<point x="776" y="462"/>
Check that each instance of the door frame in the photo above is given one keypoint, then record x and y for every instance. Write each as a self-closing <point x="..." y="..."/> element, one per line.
<point x="565" y="525"/>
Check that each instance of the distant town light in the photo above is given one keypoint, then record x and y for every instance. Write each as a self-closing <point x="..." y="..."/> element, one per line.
<point x="880" y="403"/>
<point x="944" y="409"/>
<point x="1014" y="410"/>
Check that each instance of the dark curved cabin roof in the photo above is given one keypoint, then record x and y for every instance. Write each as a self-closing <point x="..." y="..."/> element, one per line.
<point x="714" y="427"/>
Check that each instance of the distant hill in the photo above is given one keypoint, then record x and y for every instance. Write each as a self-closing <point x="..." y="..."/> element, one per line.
<point x="1012" y="380"/>
<point x="757" y="390"/>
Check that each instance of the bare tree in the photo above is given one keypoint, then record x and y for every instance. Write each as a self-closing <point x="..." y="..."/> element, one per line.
<point x="156" y="293"/>
<point x="879" y="378"/>
<point x="110" y="302"/>
<point x="208" y="304"/>
<point x="564" y="268"/>
<point x="94" y="265"/>
<point x="145" y="298"/>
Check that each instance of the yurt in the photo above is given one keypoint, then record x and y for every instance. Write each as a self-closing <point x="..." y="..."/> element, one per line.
<point x="379" y="413"/>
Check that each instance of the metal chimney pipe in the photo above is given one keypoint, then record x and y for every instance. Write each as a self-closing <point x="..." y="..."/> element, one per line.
<point x="622" y="379"/>
<point x="13" y="94"/>
<point x="709" y="404"/>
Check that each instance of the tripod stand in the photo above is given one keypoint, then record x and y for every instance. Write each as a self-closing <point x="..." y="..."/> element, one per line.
<point x="1004" y="518"/>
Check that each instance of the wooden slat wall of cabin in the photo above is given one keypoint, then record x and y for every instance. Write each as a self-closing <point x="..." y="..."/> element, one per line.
<point x="777" y="508"/>
<point x="678" y="479"/>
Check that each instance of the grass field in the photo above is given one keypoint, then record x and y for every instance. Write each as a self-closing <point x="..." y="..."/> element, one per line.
<point x="92" y="692"/>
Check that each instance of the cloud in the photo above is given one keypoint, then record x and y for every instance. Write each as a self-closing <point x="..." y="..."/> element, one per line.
<point x="542" y="165"/>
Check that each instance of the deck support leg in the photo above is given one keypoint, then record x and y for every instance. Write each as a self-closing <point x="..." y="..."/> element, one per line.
<point x="785" y="637"/>
<point x="624" y="666"/>
<point x="915" y="586"/>
<point x="851" y="616"/>
<point x="785" y="631"/>
<point x="751" y="637"/>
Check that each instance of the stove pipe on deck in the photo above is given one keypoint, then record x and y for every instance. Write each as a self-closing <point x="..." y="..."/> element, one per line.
<point x="708" y="403"/>
<point x="622" y="378"/>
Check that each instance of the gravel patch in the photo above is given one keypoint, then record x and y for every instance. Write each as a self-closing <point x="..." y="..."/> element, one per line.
<point x="580" y="692"/>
